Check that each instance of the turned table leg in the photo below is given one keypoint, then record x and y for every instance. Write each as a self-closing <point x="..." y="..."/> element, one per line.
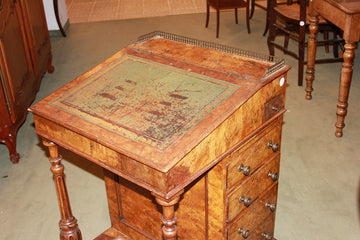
<point x="345" y="81"/>
<point x="310" y="67"/>
<point x="169" y="229"/>
<point x="69" y="229"/>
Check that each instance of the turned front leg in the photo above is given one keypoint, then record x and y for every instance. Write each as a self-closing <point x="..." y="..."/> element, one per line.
<point x="69" y="229"/>
<point x="344" y="88"/>
<point x="169" y="228"/>
<point x="310" y="67"/>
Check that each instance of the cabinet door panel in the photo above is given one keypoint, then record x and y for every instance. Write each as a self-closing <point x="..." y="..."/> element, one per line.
<point x="15" y="61"/>
<point x="5" y="109"/>
<point x="37" y="33"/>
<point x="23" y="47"/>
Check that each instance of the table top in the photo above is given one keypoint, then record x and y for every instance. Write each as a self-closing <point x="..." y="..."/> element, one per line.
<point x="157" y="99"/>
<point x="348" y="6"/>
<point x="343" y="13"/>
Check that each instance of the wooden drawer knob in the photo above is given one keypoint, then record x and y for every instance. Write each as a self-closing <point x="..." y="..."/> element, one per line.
<point x="267" y="236"/>
<point x="244" y="233"/>
<point x="271" y="206"/>
<point x="273" y="176"/>
<point x="273" y="146"/>
<point x="246" y="201"/>
<point x="244" y="169"/>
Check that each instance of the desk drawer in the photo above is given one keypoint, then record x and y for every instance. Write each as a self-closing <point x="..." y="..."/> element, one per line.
<point x="273" y="106"/>
<point x="257" y="222"/>
<point x="249" y="191"/>
<point x="243" y="162"/>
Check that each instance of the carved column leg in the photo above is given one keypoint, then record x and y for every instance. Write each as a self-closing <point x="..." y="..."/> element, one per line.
<point x="345" y="81"/>
<point x="169" y="229"/>
<point x="69" y="229"/>
<point x="310" y="67"/>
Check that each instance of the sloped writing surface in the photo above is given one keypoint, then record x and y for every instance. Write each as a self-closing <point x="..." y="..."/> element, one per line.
<point x="144" y="100"/>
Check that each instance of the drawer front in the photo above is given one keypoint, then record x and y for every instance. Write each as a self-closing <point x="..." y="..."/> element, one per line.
<point x="248" y="192"/>
<point x="243" y="162"/>
<point x="257" y="222"/>
<point x="273" y="106"/>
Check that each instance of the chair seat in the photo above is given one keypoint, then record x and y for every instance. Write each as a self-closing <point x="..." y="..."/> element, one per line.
<point x="261" y="4"/>
<point x="228" y="4"/>
<point x="292" y="12"/>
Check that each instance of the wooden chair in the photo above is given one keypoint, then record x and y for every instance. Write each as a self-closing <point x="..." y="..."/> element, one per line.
<point x="219" y="5"/>
<point x="291" y="20"/>
<point x="263" y="4"/>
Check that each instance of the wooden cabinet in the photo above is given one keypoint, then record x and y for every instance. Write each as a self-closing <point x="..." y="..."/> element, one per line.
<point x="37" y="35"/>
<point x="189" y="135"/>
<point x="24" y="58"/>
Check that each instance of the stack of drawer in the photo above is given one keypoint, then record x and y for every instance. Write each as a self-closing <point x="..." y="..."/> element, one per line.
<point x="249" y="187"/>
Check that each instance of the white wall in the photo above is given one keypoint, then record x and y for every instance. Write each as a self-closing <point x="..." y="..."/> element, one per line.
<point x="50" y="14"/>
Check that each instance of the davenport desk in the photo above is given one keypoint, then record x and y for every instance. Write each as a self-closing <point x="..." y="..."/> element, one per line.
<point x="346" y="15"/>
<point x="188" y="133"/>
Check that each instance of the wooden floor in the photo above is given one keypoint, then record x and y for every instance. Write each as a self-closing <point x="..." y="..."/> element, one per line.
<point x="103" y="10"/>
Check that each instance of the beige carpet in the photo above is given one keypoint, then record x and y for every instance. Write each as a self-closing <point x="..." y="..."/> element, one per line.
<point x="319" y="177"/>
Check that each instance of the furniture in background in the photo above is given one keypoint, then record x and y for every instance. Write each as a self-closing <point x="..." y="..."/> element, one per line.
<point x="219" y="5"/>
<point x="57" y="16"/>
<point x="25" y="56"/>
<point x="196" y="141"/>
<point x="345" y="15"/>
<point x="262" y="4"/>
<point x="291" y="20"/>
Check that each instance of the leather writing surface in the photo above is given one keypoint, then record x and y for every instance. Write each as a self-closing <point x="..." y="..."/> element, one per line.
<point x="144" y="100"/>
